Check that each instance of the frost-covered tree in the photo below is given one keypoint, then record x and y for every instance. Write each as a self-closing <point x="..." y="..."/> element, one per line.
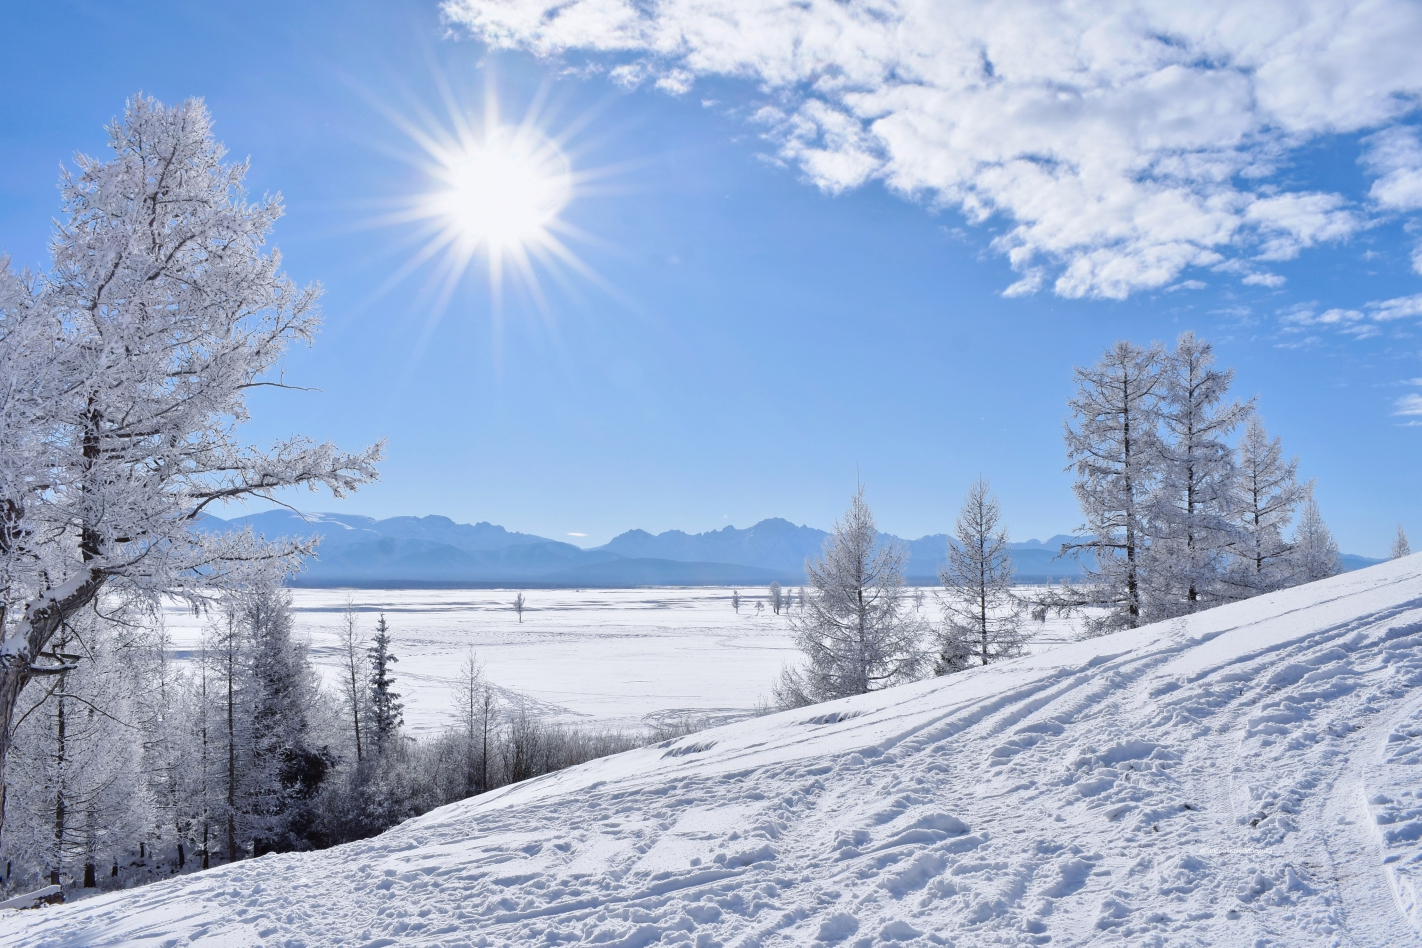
<point x="474" y="705"/>
<point x="285" y="765"/>
<point x="132" y="359"/>
<point x="1315" y="553"/>
<point x="518" y="607"/>
<point x="1400" y="546"/>
<point x="775" y="599"/>
<point x="354" y="672"/>
<point x="1266" y="495"/>
<point x="736" y="600"/>
<point x="386" y="711"/>
<point x="1114" y="445"/>
<point x="79" y="794"/>
<point x="857" y="632"/>
<point x="1191" y="521"/>
<point x="981" y="620"/>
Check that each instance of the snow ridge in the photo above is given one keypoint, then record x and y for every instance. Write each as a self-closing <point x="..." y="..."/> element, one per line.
<point x="1251" y="775"/>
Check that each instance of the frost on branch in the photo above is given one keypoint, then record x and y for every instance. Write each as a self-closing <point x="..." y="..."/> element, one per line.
<point x="126" y="371"/>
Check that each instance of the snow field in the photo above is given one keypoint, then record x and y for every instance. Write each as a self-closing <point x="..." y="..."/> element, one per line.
<point x="1247" y="776"/>
<point x="600" y="657"/>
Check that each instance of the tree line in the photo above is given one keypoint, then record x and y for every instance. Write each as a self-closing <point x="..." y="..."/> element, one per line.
<point x="1186" y="502"/>
<point x="134" y="766"/>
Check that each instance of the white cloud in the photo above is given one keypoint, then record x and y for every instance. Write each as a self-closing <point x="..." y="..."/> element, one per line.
<point x="1395" y="155"/>
<point x="1362" y="323"/>
<point x="1112" y="136"/>
<point x="1408" y="405"/>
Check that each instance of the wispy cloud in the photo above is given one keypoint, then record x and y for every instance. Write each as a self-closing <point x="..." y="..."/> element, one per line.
<point x="1408" y="405"/>
<point x="1363" y="322"/>
<point x="577" y="534"/>
<point x="1123" y="142"/>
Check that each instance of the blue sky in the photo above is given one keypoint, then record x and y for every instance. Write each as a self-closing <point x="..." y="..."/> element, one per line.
<point x="774" y="309"/>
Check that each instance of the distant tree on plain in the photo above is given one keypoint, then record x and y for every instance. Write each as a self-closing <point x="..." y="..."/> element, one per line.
<point x="1400" y="546"/>
<point x="856" y="632"/>
<point x="759" y="607"/>
<point x="736" y="601"/>
<point x="775" y="597"/>
<point x="981" y="619"/>
<point x="518" y="607"/>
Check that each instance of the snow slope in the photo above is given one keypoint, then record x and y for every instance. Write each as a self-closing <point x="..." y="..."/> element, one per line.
<point x="1250" y="776"/>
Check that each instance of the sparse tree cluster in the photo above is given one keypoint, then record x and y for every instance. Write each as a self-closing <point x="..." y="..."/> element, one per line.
<point x="1177" y="518"/>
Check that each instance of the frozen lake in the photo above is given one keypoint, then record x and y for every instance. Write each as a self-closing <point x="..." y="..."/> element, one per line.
<point x="606" y="657"/>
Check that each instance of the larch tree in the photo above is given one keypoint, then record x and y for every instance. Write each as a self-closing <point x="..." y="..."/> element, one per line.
<point x="1114" y="445"/>
<point x="1266" y="496"/>
<point x="1315" y="553"/>
<point x="386" y="711"/>
<point x="1190" y="511"/>
<point x="474" y="704"/>
<point x="354" y="672"/>
<point x="1400" y="546"/>
<point x="127" y="367"/>
<point x="857" y="632"/>
<point x="981" y="619"/>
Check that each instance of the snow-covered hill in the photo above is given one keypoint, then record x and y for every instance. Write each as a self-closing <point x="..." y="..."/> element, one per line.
<point x="1251" y="776"/>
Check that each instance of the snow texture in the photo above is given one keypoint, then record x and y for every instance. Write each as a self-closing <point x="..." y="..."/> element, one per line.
<point x="1248" y="775"/>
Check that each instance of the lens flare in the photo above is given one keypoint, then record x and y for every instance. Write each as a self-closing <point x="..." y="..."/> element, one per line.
<point x="503" y="193"/>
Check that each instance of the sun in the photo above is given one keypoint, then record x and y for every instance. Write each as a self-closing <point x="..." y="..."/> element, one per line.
<point x="493" y="195"/>
<point x="503" y="194"/>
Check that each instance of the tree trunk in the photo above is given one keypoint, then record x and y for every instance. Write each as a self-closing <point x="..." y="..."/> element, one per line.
<point x="16" y="669"/>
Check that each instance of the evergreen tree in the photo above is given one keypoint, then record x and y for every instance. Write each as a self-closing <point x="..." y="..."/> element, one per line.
<point x="386" y="711"/>
<point x="1314" y="554"/>
<point x="1400" y="546"/>
<point x="1266" y="495"/>
<point x="981" y="621"/>
<point x="857" y="632"/>
<point x="1115" y="448"/>
<point x="1190" y="514"/>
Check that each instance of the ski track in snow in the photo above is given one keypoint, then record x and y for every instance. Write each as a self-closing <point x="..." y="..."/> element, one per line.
<point x="1249" y="776"/>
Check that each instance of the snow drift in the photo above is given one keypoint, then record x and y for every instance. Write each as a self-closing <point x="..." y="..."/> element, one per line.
<point x="1248" y="776"/>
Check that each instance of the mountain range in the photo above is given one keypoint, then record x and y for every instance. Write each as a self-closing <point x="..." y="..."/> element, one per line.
<point x="435" y="551"/>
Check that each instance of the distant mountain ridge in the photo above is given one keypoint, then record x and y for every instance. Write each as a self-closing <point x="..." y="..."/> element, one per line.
<point x="434" y="551"/>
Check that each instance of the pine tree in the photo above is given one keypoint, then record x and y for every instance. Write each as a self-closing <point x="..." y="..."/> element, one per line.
<point x="386" y="711"/>
<point x="1190" y="512"/>
<point x="1314" y="554"/>
<point x="1115" y="449"/>
<point x="981" y="621"/>
<point x="1266" y="495"/>
<point x="857" y="633"/>
<point x="1400" y="546"/>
